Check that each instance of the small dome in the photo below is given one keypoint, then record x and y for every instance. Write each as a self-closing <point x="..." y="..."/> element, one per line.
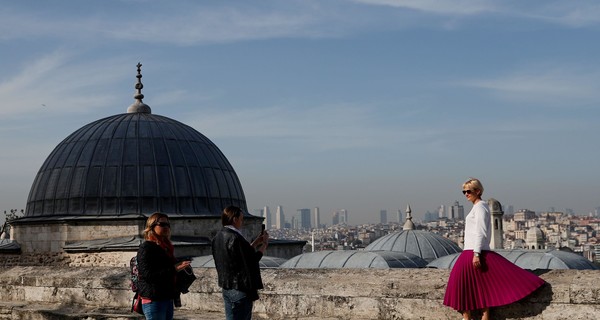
<point x="530" y="260"/>
<point x="535" y="235"/>
<point x="429" y="246"/>
<point x="353" y="259"/>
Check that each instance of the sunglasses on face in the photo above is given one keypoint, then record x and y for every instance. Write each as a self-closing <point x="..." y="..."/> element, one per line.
<point x="468" y="191"/>
<point x="163" y="224"/>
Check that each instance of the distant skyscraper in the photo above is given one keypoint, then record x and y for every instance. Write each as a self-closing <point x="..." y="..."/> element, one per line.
<point x="383" y="216"/>
<point x="279" y="218"/>
<point x="442" y="212"/>
<point x="316" y="218"/>
<point x="344" y="216"/>
<point x="335" y="218"/>
<point x="303" y="219"/>
<point x="456" y="211"/>
<point x="267" y="215"/>
<point x="399" y="216"/>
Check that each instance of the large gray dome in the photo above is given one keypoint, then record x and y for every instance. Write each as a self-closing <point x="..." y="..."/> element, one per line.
<point x="134" y="163"/>
<point x="429" y="246"/>
<point x="354" y="259"/>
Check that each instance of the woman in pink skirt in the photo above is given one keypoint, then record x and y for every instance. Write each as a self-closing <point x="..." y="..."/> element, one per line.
<point x="481" y="278"/>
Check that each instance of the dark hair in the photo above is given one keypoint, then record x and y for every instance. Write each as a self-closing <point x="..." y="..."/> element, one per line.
<point x="229" y="213"/>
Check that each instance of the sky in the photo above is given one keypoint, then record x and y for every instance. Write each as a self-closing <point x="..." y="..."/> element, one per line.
<point x="363" y="105"/>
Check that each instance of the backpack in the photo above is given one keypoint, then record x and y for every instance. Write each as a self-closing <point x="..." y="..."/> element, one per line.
<point x="133" y="268"/>
<point x="136" y="304"/>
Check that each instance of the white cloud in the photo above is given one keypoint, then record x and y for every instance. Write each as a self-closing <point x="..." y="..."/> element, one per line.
<point x="459" y="7"/>
<point x="57" y="83"/>
<point x="553" y="85"/>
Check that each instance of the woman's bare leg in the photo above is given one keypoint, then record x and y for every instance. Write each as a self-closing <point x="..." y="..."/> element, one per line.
<point x="486" y="314"/>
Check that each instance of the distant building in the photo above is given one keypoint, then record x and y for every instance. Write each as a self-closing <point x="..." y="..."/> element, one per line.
<point x="535" y="239"/>
<point x="399" y="216"/>
<point x="335" y="218"/>
<point x="442" y="211"/>
<point x="456" y="211"/>
<point x="279" y="218"/>
<point x="266" y="213"/>
<point x="303" y="219"/>
<point x="316" y="218"/>
<point x="344" y="216"/>
<point x="383" y="216"/>
<point x="524" y="215"/>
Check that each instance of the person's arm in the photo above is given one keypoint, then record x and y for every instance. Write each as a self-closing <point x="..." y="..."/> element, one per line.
<point x="480" y="233"/>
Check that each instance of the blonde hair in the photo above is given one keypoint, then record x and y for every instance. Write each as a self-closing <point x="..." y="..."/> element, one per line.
<point x="151" y="222"/>
<point x="473" y="184"/>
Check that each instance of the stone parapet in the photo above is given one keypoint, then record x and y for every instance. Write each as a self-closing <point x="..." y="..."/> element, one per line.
<point x="306" y="294"/>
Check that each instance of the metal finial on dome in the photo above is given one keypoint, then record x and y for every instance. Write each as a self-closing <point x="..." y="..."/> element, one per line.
<point x="408" y="225"/>
<point x="139" y="105"/>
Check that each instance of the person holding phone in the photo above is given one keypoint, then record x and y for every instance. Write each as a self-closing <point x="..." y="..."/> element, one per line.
<point x="236" y="261"/>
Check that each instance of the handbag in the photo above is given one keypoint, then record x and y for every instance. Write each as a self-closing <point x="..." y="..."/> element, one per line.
<point x="136" y="304"/>
<point x="184" y="279"/>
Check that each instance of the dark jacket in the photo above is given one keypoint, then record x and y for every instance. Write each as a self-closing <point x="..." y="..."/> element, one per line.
<point x="237" y="263"/>
<point x="156" y="280"/>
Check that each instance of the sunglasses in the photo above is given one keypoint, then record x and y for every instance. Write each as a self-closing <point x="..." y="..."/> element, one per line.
<point x="468" y="191"/>
<point x="163" y="224"/>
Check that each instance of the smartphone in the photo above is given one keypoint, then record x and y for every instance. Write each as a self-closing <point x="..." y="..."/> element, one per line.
<point x="263" y="229"/>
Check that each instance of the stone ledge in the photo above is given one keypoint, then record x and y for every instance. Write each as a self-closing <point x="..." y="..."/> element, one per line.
<point x="301" y="294"/>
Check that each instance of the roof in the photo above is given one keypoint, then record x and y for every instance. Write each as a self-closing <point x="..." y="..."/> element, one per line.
<point x="128" y="243"/>
<point x="426" y="245"/>
<point x="355" y="259"/>
<point x="132" y="163"/>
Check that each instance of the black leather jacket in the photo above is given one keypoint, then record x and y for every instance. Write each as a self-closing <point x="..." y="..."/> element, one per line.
<point x="237" y="263"/>
<point x="156" y="280"/>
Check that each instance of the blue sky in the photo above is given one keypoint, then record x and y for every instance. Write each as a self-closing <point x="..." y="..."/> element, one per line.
<point x="363" y="105"/>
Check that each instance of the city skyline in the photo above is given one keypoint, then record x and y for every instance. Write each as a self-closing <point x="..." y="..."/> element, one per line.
<point x="454" y="211"/>
<point x="364" y="105"/>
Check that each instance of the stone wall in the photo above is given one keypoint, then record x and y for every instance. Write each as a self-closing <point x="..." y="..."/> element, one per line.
<point x="303" y="294"/>
<point x="52" y="236"/>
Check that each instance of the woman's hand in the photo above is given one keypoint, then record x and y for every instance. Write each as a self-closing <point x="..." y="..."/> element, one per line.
<point x="476" y="262"/>
<point x="182" y="265"/>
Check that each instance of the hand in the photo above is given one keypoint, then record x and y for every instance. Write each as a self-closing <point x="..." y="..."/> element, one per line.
<point x="476" y="262"/>
<point x="265" y="242"/>
<point x="182" y="265"/>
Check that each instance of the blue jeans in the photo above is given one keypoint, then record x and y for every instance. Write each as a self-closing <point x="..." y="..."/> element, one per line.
<point x="237" y="305"/>
<point x="158" y="310"/>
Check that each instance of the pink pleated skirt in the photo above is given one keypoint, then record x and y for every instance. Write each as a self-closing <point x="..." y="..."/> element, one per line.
<point x="499" y="282"/>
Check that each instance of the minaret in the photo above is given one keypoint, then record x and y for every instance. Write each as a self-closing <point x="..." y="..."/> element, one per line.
<point x="496" y="242"/>
<point x="408" y="225"/>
